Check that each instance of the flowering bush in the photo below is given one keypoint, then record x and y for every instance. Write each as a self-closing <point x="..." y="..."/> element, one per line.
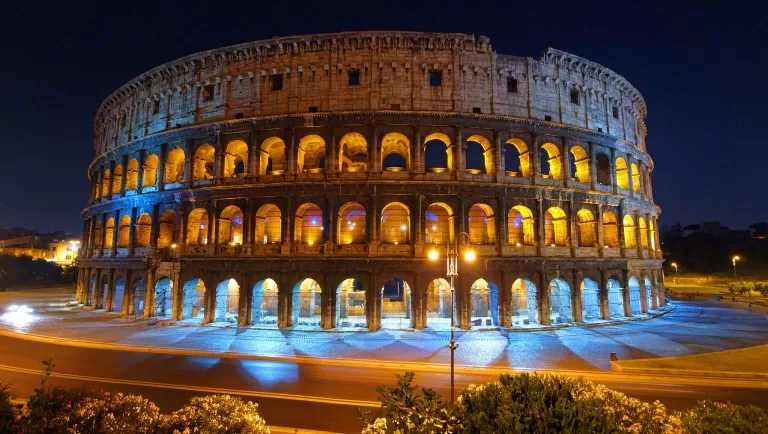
<point x="406" y="409"/>
<point x="217" y="414"/>
<point x="52" y="410"/>
<point x="116" y="414"/>
<point x="718" y="417"/>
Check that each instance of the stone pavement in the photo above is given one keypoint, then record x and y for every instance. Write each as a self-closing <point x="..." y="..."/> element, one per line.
<point x="693" y="327"/>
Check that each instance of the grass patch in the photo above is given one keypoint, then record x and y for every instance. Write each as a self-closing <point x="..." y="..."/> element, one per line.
<point x="750" y="359"/>
<point x="697" y="289"/>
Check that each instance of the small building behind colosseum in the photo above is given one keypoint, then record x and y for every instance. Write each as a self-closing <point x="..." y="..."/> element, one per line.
<point x="301" y="182"/>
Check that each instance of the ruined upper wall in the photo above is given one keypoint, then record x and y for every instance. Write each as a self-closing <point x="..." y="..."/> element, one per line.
<point x="394" y="70"/>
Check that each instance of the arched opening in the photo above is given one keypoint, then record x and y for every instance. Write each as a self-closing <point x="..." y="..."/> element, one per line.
<point x="555" y="227"/>
<point x="622" y="175"/>
<point x="634" y="296"/>
<point x="117" y="179"/>
<point x="438" y="156"/>
<point x="482" y="224"/>
<point x="102" y="290"/>
<point x="139" y="296"/>
<point x="109" y="233"/>
<point x="97" y="232"/>
<point x="439" y="304"/>
<point x="396" y="305"/>
<point x="590" y="300"/>
<point x="587" y="228"/>
<point x="197" y="227"/>
<point x="264" y="304"/>
<point x="517" y="158"/>
<point x="610" y="229"/>
<point x="149" y="177"/>
<point x="603" y="169"/>
<point x="520" y="228"/>
<point x="203" y="163"/>
<point x="580" y="162"/>
<point x="551" y="162"/>
<point x="124" y="231"/>
<point x="484" y="304"/>
<point x="307" y="304"/>
<point x="226" y="302"/>
<point x="629" y="231"/>
<point x="92" y="285"/>
<point x="615" y="299"/>
<point x="439" y="220"/>
<point x="525" y="306"/>
<point x="350" y="227"/>
<point x="635" y="178"/>
<point x="143" y="230"/>
<point x="395" y="152"/>
<point x="648" y="293"/>
<point x="272" y="161"/>
<point x="163" y="298"/>
<point x="132" y="175"/>
<point x="350" y="304"/>
<point x="560" y="302"/>
<point x="193" y="301"/>
<point x="118" y="297"/>
<point x="231" y="226"/>
<point x="353" y="153"/>
<point x="174" y="166"/>
<point x="105" y="182"/>
<point x="166" y="233"/>
<point x="395" y="224"/>
<point x="643" y="232"/>
<point x="268" y="224"/>
<point x="311" y="155"/>
<point x="236" y="159"/>
<point x="308" y="227"/>
<point x="479" y="155"/>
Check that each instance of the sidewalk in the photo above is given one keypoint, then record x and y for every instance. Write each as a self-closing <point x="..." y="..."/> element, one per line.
<point x="694" y="327"/>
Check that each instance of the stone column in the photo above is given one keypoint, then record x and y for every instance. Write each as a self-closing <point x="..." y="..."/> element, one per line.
<point x="540" y="227"/>
<point x="189" y="163"/>
<point x="499" y="152"/>
<point x="573" y="228"/>
<point x="154" y="229"/>
<point x="576" y="299"/>
<point x="605" y="312"/>
<point x="218" y="160"/>
<point x="375" y="166"/>
<point x="110" y="293"/>
<point x="501" y="224"/>
<point x="124" y="176"/>
<point x="160" y="177"/>
<point x="461" y="155"/>
<point x="111" y="178"/>
<point x="600" y="233"/>
<point x="331" y="159"/>
<point x="115" y="233"/>
<point x="418" y="146"/>
<point x="132" y="232"/>
<point x="639" y="234"/>
<point x="625" y="293"/>
<point x="140" y="175"/>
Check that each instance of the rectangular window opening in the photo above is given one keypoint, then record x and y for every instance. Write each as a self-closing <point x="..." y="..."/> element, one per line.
<point x="276" y="81"/>
<point x="208" y="93"/>
<point x="435" y="78"/>
<point x="156" y="107"/>
<point x="575" y="97"/>
<point x="548" y="118"/>
<point x="313" y="109"/>
<point x="476" y="110"/>
<point x="615" y="112"/>
<point x="511" y="85"/>
<point x="394" y="107"/>
<point x="354" y="77"/>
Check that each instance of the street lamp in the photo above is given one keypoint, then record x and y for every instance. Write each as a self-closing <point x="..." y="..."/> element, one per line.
<point x="674" y="265"/>
<point x="452" y="270"/>
<point x="735" y="258"/>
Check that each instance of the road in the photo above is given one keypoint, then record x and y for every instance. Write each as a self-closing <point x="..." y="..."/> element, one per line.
<point x="323" y="396"/>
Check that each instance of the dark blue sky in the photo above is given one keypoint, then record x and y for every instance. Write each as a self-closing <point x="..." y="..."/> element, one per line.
<point x="701" y="66"/>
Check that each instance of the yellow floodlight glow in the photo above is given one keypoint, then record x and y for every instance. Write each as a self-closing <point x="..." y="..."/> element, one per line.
<point x="470" y="255"/>
<point x="433" y="254"/>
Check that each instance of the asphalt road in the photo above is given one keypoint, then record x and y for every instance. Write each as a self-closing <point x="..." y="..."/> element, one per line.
<point x="307" y="396"/>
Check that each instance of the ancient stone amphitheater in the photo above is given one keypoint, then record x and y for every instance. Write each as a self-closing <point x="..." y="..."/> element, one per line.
<point x="302" y="181"/>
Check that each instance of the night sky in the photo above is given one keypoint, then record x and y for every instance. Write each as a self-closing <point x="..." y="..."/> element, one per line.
<point x="702" y="69"/>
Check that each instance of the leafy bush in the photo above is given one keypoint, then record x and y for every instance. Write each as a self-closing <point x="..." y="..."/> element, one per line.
<point x="718" y="417"/>
<point x="532" y="403"/>
<point x="9" y="413"/>
<point x="217" y="414"/>
<point x="116" y="414"/>
<point x="762" y="288"/>
<point x="741" y="288"/>
<point x="53" y="410"/>
<point x="406" y="409"/>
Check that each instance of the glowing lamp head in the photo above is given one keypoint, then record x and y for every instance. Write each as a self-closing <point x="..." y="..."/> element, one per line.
<point x="470" y="255"/>
<point x="433" y="255"/>
<point x="736" y="258"/>
<point x="173" y="246"/>
<point x="403" y="228"/>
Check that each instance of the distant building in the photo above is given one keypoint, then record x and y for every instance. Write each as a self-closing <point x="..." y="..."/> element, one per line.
<point x="55" y="247"/>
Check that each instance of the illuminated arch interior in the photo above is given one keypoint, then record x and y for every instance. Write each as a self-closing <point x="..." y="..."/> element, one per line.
<point x="635" y="178"/>
<point x="264" y="303"/>
<point x="197" y="227"/>
<point x="124" y="231"/>
<point x="268" y="224"/>
<point x="395" y="144"/>
<point x="174" y="166"/>
<point x="143" y="230"/>
<point x="439" y="220"/>
<point x="395" y="223"/>
<point x="149" y="177"/>
<point x="350" y="304"/>
<point x="482" y="224"/>
<point x="517" y="158"/>
<point x="132" y="175"/>
<point x="309" y="224"/>
<point x="203" y="163"/>
<point x="479" y="154"/>
<point x="236" y="159"/>
<point x="581" y="164"/>
<point x="230" y="226"/>
<point x="166" y="233"/>
<point x="622" y="175"/>
<point x="350" y="226"/>
<point x="353" y="153"/>
<point x="311" y="154"/>
<point x="438" y="153"/>
<point x="520" y="226"/>
<point x="551" y="161"/>
<point x="307" y="304"/>
<point x="117" y="179"/>
<point x="587" y="228"/>
<point x="555" y="227"/>
<point x="272" y="161"/>
<point x="629" y="231"/>
<point x="610" y="229"/>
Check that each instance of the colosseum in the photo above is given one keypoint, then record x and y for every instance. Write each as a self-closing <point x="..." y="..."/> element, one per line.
<point x="306" y="182"/>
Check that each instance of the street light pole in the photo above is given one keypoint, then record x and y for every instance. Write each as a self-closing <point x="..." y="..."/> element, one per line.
<point x="674" y="265"/>
<point x="733" y="261"/>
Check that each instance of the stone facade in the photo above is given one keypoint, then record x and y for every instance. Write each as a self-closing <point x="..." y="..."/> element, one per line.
<point x="251" y="183"/>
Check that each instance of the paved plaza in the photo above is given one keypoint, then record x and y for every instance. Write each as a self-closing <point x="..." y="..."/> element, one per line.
<point x="692" y="327"/>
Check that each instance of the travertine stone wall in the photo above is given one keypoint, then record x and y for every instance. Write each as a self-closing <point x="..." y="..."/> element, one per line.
<point x="394" y="74"/>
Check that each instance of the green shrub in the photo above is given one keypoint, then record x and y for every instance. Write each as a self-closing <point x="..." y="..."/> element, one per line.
<point x="116" y="414"/>
<point x="762" y="288"/>
<point x="532" y="403"/>
<point x="217" y="414"/>
<point x="718" y="417"/>
<point x="9" y="413"/>
<point x="52" y="410"/>
<point x="406" y="409"/>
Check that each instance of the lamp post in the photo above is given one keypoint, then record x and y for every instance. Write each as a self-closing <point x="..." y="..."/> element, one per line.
<point x="452" y="270"/>
<point x="734" y="258"/>
<point x="674" y="265"/>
